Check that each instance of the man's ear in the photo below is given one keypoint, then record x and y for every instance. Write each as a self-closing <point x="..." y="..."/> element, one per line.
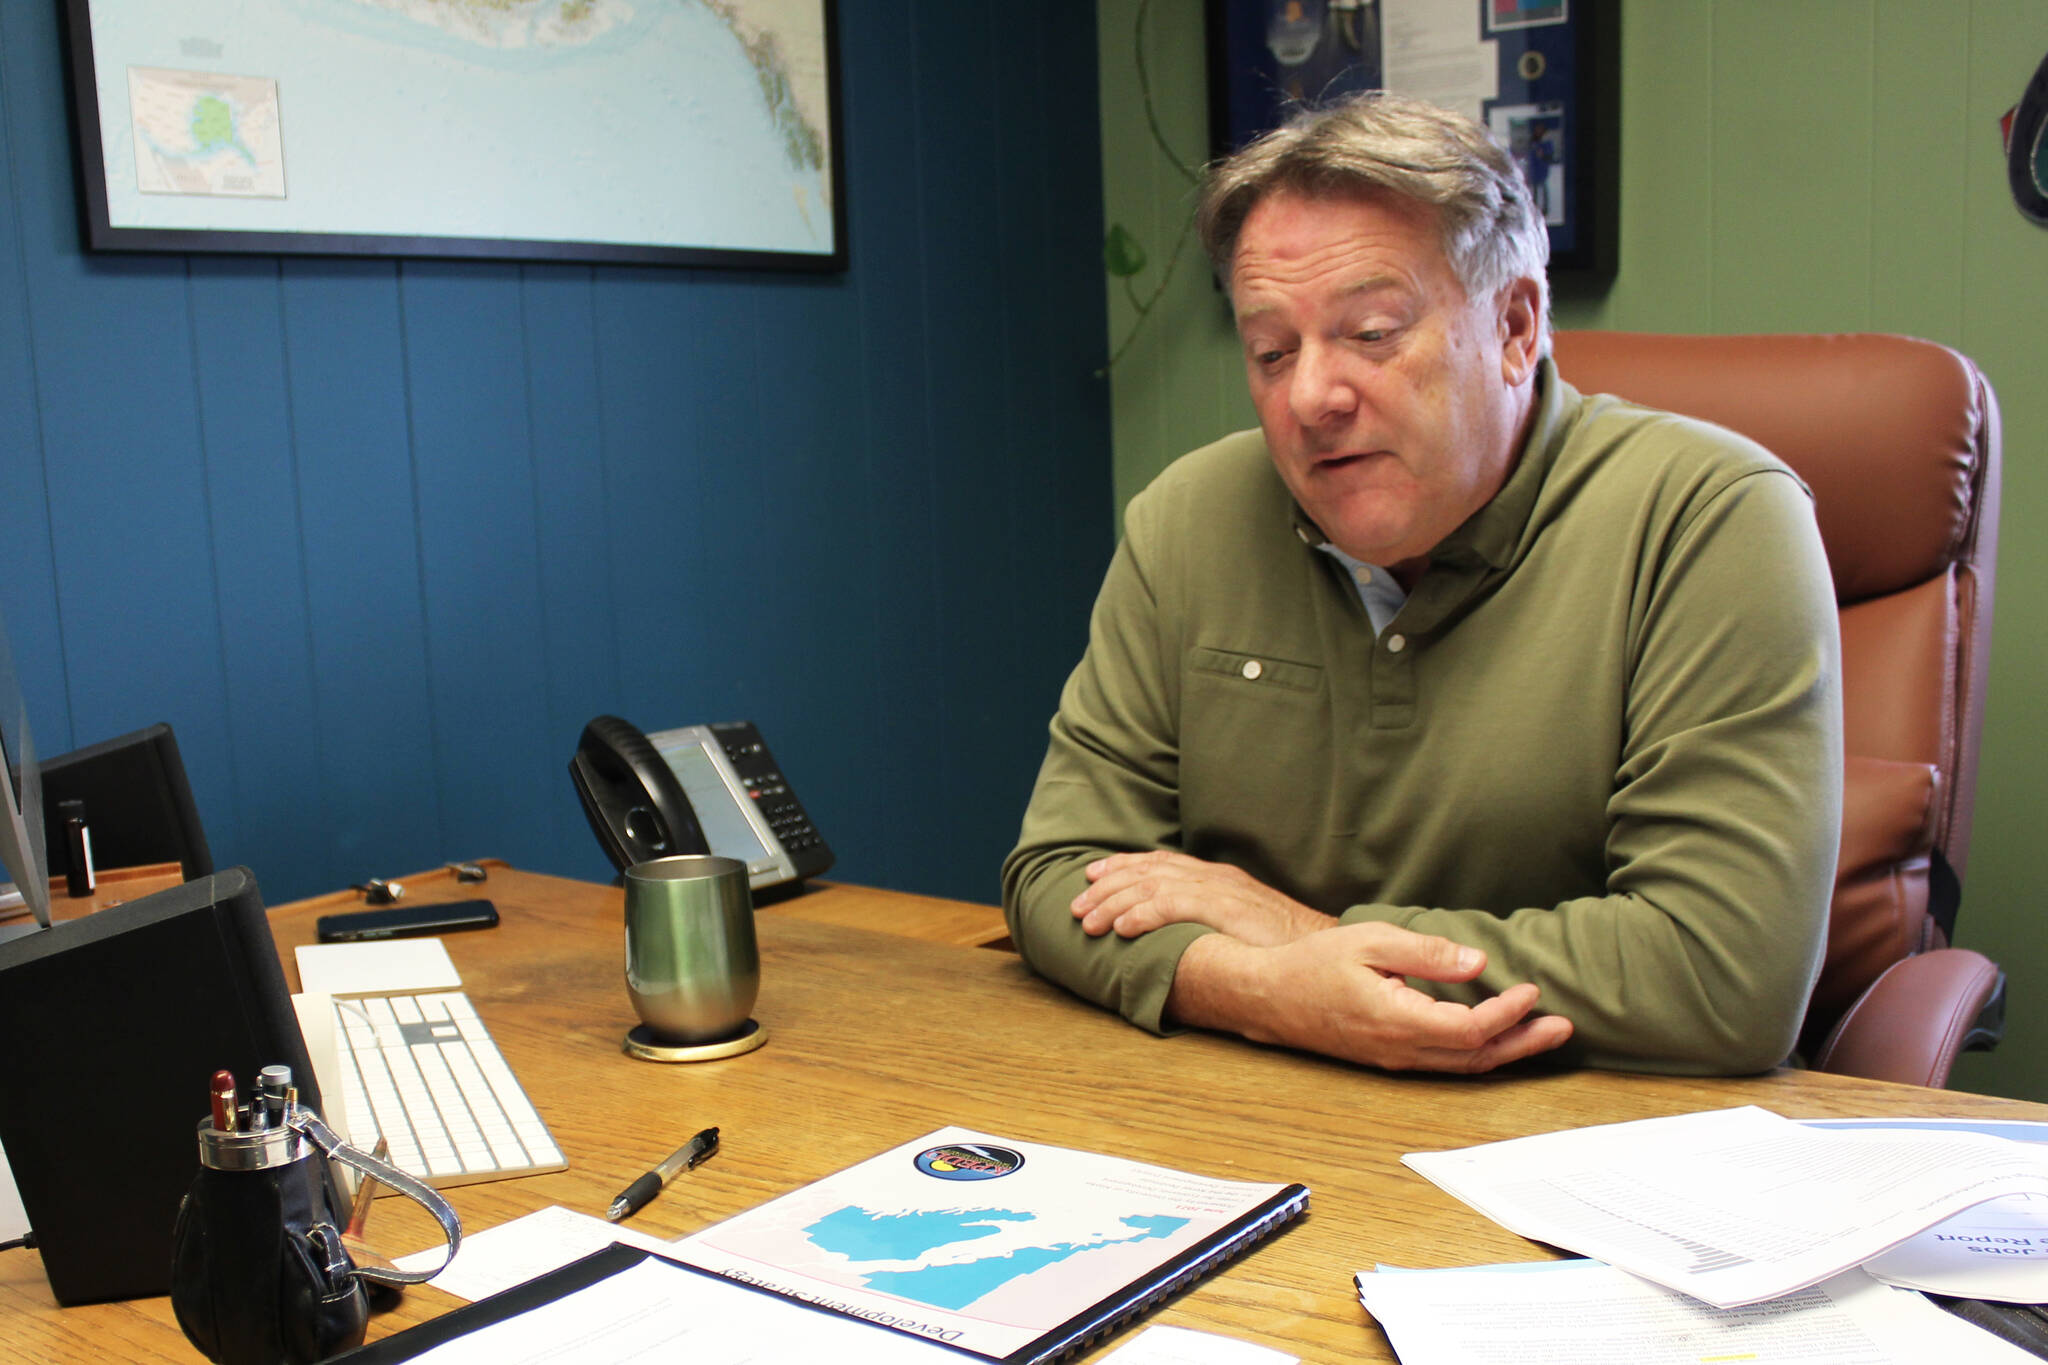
<point x="1521" y="330"/>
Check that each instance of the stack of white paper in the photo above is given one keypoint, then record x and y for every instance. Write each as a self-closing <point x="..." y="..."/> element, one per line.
<point x="1584" y="1313"/>
<point x="1734" y="1206"/>
<point x="1997" y="1250"/>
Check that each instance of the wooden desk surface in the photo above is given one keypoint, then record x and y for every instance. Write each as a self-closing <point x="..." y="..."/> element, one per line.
<point x="878" y="1038"/>
<point x="113" y="886"/>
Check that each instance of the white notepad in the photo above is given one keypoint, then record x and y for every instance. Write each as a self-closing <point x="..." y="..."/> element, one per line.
<point x="392" y="966"/>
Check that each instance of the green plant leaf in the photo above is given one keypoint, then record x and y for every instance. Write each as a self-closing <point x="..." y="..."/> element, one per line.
<point x="1121" y="254"/>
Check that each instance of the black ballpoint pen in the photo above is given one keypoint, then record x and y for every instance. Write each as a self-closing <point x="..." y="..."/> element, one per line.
<point x="687" y="1157"/>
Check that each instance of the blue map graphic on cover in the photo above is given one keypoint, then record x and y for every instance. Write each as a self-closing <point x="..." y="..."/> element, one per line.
<point x="865" y="1237"/>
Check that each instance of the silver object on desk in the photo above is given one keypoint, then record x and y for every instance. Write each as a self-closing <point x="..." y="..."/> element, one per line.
<point x="693" y="967"/>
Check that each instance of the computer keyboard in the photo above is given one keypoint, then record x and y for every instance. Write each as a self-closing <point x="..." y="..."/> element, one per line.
<point x="422" y="1072"/>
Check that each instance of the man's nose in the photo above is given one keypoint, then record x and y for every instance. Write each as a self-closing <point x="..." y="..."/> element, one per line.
<point x="1322" y="389"/>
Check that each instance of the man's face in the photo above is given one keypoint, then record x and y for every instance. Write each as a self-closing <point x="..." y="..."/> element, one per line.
<point x="1393" y="405"/>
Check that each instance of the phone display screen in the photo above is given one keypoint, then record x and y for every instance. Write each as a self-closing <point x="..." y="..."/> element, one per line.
<point x="725" y="825"/>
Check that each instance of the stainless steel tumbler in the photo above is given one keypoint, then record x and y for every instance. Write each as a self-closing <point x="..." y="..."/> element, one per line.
<point x="692" y="965"/>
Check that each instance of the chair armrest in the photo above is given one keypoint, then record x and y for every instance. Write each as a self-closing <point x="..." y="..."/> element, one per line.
<point x="1915" y="1018"/>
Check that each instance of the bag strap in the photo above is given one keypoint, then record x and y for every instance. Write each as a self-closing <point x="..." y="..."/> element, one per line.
<point x="303" y="1120"/>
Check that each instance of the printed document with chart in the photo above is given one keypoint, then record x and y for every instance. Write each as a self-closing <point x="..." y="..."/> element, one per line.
<point x="1008" y="1249"/>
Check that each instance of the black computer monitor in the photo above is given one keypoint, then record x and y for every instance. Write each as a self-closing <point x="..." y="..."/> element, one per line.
<point x="138" y="805"/>
<point x="114" y="1025"/>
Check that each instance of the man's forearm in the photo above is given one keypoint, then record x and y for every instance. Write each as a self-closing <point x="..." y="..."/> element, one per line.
<point x="1213" y="989"/>
<point x="1130" y="976"/>
<point x="1134" y="893"/>
<point x="1343" y="992"/>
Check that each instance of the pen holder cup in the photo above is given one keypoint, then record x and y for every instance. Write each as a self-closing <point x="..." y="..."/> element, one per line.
<point x="259" y="1273"/>
<point x="693" y="967"/>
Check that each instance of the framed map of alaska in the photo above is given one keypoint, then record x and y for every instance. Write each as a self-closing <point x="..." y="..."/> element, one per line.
<point x="684" y="132"/>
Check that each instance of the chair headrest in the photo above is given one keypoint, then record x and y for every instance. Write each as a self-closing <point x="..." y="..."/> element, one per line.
<point x="1893" y="434"/>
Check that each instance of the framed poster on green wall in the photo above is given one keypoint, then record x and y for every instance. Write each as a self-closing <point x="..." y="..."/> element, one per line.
<point x="689" y="132"/>
<point x="1543" y="75"/>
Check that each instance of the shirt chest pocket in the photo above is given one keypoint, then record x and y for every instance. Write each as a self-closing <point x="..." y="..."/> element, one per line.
<point x="1259" y="672"/>
<point x="1256" y="739"/>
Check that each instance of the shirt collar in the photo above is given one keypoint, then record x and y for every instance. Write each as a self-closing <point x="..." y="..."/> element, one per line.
<point x="1378" y="591"/>
<point x="1493" y="534"/>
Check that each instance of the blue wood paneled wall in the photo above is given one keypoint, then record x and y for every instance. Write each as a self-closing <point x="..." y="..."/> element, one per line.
<point x="377" y="537"/>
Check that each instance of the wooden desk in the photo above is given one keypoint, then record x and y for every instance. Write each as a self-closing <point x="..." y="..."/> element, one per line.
<point x="111" y="887"/>
<point x="878" y="1038"/>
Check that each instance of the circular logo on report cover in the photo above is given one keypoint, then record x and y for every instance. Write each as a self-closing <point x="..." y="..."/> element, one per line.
<point x="968" y="1161"/>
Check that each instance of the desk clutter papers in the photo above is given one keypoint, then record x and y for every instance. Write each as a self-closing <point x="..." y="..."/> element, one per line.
<point x="1734" y="1206"/>
<point x="1997" y="1250"/>
<point x="956" y="1242"/>
<point x="1742" y="1231"/>
<point x="1585" y="1313"/>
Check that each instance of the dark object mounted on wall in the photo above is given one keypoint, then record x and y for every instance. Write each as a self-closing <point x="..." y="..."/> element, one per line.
<point x="736" y="158"/>
<point x="1544" y="76"/>
<point x="2026" y="148"/>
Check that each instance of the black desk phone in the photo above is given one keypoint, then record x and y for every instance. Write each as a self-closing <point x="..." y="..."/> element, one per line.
<point x="698" y="789"/>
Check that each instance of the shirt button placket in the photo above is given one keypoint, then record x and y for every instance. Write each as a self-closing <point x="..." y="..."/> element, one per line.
<point x="1393" y="683"/>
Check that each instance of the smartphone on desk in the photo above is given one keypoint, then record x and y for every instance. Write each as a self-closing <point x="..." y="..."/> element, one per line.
<point x="407" y="921"/>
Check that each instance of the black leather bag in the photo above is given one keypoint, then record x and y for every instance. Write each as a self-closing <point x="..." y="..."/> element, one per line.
<point x="259" y="1274"/>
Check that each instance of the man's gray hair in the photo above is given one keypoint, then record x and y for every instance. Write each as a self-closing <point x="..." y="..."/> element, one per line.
<point x="1383" y="143"/>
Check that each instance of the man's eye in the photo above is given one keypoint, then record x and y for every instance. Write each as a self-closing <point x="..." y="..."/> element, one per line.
<point x="1373" y="334"/>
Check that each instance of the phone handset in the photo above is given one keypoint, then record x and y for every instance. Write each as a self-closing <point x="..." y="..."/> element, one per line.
<point x="636" y="806"/>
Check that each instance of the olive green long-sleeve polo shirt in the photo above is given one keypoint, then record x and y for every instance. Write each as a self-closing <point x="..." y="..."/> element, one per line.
<point x="1601" y="740"/>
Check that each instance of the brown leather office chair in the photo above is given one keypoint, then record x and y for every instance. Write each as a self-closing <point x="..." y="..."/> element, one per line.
<point x="1898" y="440"/>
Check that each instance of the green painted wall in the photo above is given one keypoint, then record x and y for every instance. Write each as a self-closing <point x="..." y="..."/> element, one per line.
<point x="1823" y="165"/>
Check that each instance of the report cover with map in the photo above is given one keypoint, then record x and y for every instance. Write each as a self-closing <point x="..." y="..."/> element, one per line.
<point x="1016" y="1251"/>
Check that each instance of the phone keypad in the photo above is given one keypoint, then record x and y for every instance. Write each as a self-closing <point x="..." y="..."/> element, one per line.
<point x="786" y="817"/>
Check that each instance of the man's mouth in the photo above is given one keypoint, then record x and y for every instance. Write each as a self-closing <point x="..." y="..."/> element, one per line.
<point x="1339" y="460"/>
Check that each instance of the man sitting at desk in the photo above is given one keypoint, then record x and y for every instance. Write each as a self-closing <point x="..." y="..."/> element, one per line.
<point x="1447" y="673"/>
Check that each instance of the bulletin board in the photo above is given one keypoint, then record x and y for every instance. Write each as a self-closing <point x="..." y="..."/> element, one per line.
<point x="1543" y="75"/>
